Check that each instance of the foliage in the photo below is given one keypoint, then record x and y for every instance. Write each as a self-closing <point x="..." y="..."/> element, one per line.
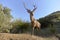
<point x="51" y="22"/>
<point x="52" y="29"/>
<point x="50" y="19"/>
<point x="5" y="18"/>
<point x="19" y="26"/>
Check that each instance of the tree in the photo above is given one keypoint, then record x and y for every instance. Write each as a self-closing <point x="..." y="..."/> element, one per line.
<point x="5" y="18"/>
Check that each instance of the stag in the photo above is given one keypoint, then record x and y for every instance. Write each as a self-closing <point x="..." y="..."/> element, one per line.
<point x="34" y="22"/>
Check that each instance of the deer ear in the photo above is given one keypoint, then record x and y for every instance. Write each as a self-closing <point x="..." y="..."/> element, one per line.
<point x="28" y="10"/>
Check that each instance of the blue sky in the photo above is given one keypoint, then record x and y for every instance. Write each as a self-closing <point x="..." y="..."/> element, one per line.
<point x="44" y="7"/>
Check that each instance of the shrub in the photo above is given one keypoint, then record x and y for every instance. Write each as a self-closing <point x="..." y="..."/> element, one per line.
<point x="19" y="27"/>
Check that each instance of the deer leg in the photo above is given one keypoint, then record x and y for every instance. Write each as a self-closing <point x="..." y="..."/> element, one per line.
<point x="37" y="29"/>
<point x="33" y="30"/>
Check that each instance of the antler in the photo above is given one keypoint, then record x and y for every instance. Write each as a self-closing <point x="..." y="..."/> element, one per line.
<point x="28" y="10"/>
<point x="24" y="5"/>
<point x="34" y="8"/>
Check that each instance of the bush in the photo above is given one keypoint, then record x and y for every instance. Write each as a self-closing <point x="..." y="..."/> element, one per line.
<point x="19" y="27"/>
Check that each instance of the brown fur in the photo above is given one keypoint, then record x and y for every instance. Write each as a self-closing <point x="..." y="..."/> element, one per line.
<point x="34" y="22"/>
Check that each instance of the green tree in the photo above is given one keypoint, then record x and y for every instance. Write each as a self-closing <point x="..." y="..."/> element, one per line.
<point x="5" y="18"/>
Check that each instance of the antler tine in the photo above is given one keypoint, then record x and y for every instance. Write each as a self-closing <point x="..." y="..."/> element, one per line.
<point x="34" y="8"/>
<point x="28" y="10"/>
<point x="24" y="5"/>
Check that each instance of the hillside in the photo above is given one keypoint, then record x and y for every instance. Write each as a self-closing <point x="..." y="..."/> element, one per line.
<point x="51" y="18"/>
<point x="54" y="17"/>
<point x="51" y="21"/>
<point x="8" y="36"/>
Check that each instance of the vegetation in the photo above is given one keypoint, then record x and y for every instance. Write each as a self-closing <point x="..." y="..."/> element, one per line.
<point x="19" y="26"/>
<point x="50" y="22"/>
<point x="52" y="18"/>
<point x="50" y="25"/>
<point x="5" y="18"/>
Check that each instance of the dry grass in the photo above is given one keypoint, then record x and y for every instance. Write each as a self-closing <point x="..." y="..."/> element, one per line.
<point x="8" y="36"/>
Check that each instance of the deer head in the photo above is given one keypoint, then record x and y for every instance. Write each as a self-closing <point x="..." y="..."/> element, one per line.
<point x="29" y="11"/>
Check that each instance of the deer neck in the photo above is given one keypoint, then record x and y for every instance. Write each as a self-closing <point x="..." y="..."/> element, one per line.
<point x="32" y="18"/>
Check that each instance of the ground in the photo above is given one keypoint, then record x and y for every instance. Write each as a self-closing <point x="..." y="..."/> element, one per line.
<point x="8" y="36"/>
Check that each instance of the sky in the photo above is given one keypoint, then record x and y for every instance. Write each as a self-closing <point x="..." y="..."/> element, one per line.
<point x="44" y="8"/>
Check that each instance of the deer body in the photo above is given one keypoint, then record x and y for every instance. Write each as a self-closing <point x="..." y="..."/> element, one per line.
<point x="34" y="22"/>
